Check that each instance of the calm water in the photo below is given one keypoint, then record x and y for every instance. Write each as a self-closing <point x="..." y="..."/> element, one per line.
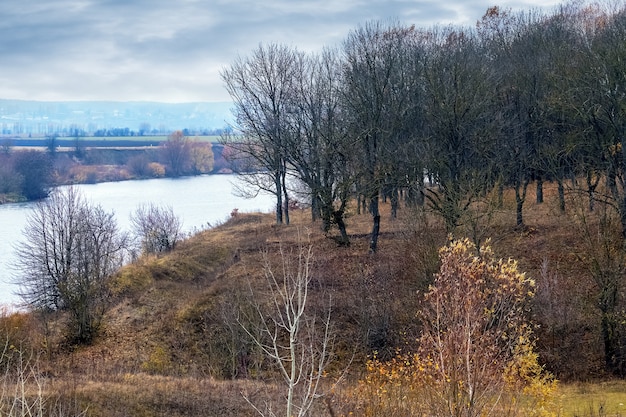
<point x="197" y="201"/>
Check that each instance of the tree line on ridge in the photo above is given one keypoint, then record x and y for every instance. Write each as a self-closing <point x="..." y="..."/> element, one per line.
<point x="522" y="97"/>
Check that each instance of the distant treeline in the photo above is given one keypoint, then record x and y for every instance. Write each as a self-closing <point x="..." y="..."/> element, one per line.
<point x="29" y="174"/>
<point x="147" y="132"/>
<point x="87" y="142"/>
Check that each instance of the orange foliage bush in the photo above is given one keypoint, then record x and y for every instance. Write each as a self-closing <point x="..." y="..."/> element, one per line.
<point x="16" y="328"/>
<point x="475" y="354"/>
<point x="156" y="170"/>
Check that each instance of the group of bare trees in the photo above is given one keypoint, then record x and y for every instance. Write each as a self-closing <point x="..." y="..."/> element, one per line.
<point x="446" y="117"/>
<point x="71" y="248"/>
<point x="521" y="98"/>
<point x="177" y="156"/>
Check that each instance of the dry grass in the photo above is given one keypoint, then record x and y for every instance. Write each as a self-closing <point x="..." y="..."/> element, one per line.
<point x="151" y="395"/>
<point x="172" y="331"/>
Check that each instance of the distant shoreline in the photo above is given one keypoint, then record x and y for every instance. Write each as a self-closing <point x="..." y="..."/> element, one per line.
<point x="100" y="164"/>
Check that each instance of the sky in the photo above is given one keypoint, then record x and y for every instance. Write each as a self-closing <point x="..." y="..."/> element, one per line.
<point x="173" y="50"/>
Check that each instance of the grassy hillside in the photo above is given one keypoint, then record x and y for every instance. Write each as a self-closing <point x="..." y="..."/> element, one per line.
<point x="172" y="342"/>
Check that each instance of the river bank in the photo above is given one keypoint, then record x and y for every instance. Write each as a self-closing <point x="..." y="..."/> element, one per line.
<point x="99" y="165"/>
<point x="200" y="202"/>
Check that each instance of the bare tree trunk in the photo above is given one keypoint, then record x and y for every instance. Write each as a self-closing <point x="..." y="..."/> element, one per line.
<point x="520" y="197"/>
<point x="376" y="224"/>
<point x="315" y="208"/>
<point x="341" y="225"/>
<point x="561" y="189"/>
<point x="394" y="202"/>
<point x="539" y="191"/>
<point x="283" y="181"/>
<point x="608" y="302"/>
<point x="617" y="174"/>
<point x="279" y="199"/>
<point x="591" y="188"/>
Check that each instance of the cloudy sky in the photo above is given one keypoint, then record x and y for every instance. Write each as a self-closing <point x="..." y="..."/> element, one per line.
<point x="173" y="50"/>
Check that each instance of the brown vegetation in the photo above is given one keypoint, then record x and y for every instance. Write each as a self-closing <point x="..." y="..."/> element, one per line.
<point x="28" y="173"/>
<point x="172" y="342"/>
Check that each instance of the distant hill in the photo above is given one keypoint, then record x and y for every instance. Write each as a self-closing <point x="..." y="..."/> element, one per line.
<point x="21" y="117"/>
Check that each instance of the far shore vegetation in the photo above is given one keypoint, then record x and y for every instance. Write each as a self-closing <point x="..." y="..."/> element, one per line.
<point x="30" y="167"/>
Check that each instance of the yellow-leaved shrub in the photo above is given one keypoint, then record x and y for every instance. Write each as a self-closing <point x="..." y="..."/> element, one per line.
<point x="475" y="354"/>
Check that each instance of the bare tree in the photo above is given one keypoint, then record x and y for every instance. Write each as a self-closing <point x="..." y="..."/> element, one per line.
<point x="601" y="102"/>
<point x="297" y="342"/>
<point x="70" y="249"/>
<point x="320" y="149"/>
<point x="157" y="228"/>
<point x="176" y="152"/>
<point x="262" y="89"/>
<point x="378" y="81"/>
<point x="605" y="260"/>
<point x="201" y="157"/>
<point x="462" y="122"/>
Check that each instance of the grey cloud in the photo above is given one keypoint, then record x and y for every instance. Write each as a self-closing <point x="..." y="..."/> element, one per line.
<point x="168" y="50"/>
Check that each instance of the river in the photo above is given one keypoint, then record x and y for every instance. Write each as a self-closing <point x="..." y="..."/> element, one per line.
<point x="199" y="202"/>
